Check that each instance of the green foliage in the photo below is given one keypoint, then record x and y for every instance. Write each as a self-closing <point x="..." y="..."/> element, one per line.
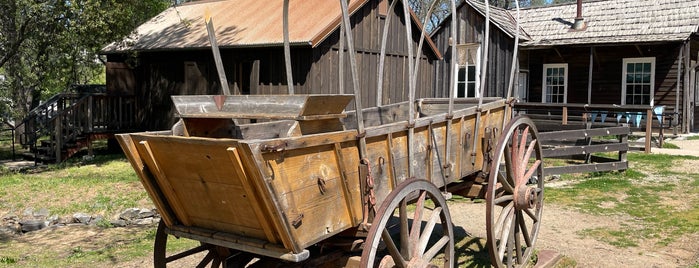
<point x="668" y="145"/>
<point x="48" y="45"/>
<point x="692" y="138"/>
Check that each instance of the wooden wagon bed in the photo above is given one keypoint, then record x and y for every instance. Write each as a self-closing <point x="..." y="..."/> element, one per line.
<point x="293" y="177"/>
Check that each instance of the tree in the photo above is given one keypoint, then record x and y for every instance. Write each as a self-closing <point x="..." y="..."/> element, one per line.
<point x="47" y="45"/>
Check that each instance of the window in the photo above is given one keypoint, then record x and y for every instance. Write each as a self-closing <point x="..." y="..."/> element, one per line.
<point x="555" y="83"/>
<point x="468" y="70"/>
<point x="638" y="81"/>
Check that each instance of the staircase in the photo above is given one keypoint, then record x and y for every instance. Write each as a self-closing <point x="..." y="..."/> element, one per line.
<point x="68" y="122"/>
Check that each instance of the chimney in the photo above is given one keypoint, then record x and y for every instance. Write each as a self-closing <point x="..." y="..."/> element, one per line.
<point x="579" y="23"/>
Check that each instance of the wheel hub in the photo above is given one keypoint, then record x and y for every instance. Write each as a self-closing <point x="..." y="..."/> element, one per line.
<point x="525" y="197"/>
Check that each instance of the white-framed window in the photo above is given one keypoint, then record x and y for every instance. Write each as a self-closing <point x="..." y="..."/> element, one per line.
<point x="555" y="83"/>
<point x="468" y="70"/>
<point x="638" y="81"/>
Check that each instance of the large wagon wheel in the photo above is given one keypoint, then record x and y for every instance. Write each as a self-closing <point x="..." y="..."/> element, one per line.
<point x="515" y="195"/>
<point x="417" y="244"/>
<point x="216" y="256"/>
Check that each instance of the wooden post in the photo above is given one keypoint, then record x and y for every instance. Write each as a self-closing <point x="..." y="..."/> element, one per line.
<point x="58" y="134"/>
<point x="649" y="121"/>
<point x="89" y="113"/>
<point x="565" y="115"/>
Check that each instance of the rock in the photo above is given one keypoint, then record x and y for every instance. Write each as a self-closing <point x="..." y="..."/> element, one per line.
<point x="52" y="220"/>
<point x="145" y="213"/>
<point x="118" y="223"/>
<point x="96" y="219"/>
<point x="146" y="221"/>
<point x="42" y="213"/>
<point x="10" y="217"/>
<point x="31" y="225"/>
<point x="82" y="218"/>
<point x="130" y="214"/>
<point x="29" y="212"/>
<point x="641" y="140"/>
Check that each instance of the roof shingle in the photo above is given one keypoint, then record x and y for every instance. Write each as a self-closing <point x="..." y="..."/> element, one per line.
<point x="612" y="21"/>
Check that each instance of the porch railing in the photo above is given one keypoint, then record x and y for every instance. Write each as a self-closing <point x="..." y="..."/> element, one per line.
<point x="639" y="116"/>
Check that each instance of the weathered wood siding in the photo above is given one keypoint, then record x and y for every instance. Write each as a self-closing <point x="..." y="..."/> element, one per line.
<point x="472" y="30"/>
<point x="606" y="71"/>
<point x="261" y="70"/>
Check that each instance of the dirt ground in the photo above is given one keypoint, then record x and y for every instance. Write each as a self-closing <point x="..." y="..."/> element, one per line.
<point x="559" y="232"/>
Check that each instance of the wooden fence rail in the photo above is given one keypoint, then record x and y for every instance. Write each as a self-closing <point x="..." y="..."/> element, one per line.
<point x="582" y="143"/>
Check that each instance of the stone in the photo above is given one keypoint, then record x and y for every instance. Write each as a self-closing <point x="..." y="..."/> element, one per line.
<point x="146" y="221"/>
<point x="82" y="218"/>
<point x="29" y="212"/>
<point x="130" y="214"/>
<point x="42" y="213"/>
<point x="145" y="213"/>
<point x="118" y="223"/>
<point x="31" y="225"/>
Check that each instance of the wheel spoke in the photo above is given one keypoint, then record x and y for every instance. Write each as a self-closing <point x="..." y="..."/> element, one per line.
<point x="506" y="211"/>
<point x="417" y="224"/>
<point x="518" y="239"/>
<point x="503" y="199"/>
<point x="531" y="215"/>
<point x="403" y="213"/>
<point x="207" y="259"/>
<point x="525" y="231"/>
<point x="392" y="249"/>
<point x="434" y="250"/>
<point x="507" y="230"/>
<point x="186" y="253"/>
<point x="510" y="173"/>
<point x="509" y="187"/>
<point x="531" y="171"/>
<point x="427" y="232"/>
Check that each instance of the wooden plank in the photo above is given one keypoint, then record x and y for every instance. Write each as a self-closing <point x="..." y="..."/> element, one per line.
<point x="309" y="188"/>
<point x="166" y="188"/>
<point x="320" y="126"/>
<point x="325" y="104"/>
<point x="586" y="149"/>
<point x="583" y="133"/>
<point x="241" y="243"/>
<point x="262" y="218"/>
<point x="585" y="168"/>
<point x="147" y="178"/>
<point x="270" y="130"/>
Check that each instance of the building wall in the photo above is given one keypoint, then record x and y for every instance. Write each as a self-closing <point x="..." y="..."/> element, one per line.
<point x="471" y="29"/>
<point x="159" y="75"/>
<point x="606" y="71"/>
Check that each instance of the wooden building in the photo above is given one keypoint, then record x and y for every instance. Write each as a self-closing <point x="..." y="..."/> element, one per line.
<point x="170" y="54"/>
<point x="627" y="53"/>
<point x="470" y="46"/>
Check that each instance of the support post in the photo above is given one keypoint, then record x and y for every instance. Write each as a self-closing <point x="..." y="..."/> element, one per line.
<point x="649" y="121"/>
<point x="565" y="115"/>
<point x="58" y="134"/>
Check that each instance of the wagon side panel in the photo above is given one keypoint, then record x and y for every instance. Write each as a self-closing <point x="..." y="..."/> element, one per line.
<point x="314" y="197"/>
<point x="204" y="182"/>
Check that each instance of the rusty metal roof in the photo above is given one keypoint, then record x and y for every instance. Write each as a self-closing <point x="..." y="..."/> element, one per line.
<point x="612" y="21"/>
<point x="238" y="23"/>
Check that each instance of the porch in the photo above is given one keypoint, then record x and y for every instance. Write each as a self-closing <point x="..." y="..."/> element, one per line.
<point x="644" y="118"/>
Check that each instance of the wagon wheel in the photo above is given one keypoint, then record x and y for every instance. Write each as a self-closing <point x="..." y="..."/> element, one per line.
<point x="216" y="256"/>
<point x="422" y="244"/>
<point x="515" y="195"/>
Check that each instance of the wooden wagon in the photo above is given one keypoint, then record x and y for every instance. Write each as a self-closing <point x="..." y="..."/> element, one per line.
<point x="279" y="187"/>
<point x="294" y="177"/>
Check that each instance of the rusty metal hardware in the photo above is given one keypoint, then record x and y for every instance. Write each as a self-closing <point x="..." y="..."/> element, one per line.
<point x="321" y="185"/>
<point x="297" y="221"/>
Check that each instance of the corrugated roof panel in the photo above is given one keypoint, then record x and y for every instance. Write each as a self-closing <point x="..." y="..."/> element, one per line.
<point x="183" y="26"/>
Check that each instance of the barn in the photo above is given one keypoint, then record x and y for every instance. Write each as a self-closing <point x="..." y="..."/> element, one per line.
<point x="170" y="54"/>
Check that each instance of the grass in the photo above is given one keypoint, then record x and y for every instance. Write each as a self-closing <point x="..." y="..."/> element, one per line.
<point x="694" y="137"/>
<point x="654" y="201"/>
<point x="668" y="145"/>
